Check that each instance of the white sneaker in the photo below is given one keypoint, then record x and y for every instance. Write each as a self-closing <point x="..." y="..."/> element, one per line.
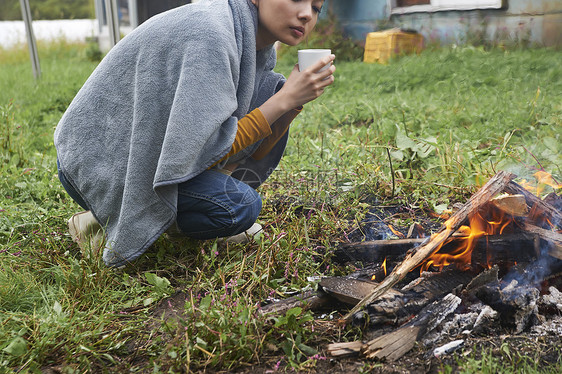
<point x="86" y="232"/>
<point x="252" y="233"/>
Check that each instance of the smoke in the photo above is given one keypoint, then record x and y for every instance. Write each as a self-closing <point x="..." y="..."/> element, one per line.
<point x="536" y="272"/>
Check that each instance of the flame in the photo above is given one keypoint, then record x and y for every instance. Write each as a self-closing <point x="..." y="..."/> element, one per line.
<point x="488" y="221"/>
<point x="395" y="232"/>
<point x="543" y="179"/>
<point x="383" y="266"/>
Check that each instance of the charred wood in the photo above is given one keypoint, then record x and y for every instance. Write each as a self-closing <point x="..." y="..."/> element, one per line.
<point x="397" y="307"/>
<point x="517" y="305"/>
<point x="505" y="249"/>
<point x="553" y="239"/>
<point x="489" y="249"/>
<point x="394" y="345"/>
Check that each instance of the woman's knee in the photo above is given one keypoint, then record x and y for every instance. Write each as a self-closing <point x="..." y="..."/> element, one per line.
<point x="249" y="211"/>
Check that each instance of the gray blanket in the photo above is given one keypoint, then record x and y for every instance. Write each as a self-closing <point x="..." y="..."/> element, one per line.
<point x="160" y="108"/>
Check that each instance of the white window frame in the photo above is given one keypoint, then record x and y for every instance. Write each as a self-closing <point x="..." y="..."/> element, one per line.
<point x="444" y="5"/>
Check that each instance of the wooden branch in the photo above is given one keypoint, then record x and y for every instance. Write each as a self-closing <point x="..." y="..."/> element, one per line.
<point x="494" y="186"/>
<point x="554" y="215"/>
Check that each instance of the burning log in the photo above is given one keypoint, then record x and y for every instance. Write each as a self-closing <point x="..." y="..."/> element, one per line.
<point x="553" y="238"/>
<point x="494" y="186"/>
<point x="507" y="249"/>
<point x="488" y="249"/>
<point x="549" y="212"/>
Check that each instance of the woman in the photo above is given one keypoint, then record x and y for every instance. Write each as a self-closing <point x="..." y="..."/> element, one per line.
<point x="184" y="100"/>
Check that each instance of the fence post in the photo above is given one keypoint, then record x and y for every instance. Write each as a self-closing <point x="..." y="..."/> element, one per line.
<point x="112" y="21"/>
<point x="133" y="14"/>
<point x="31" y="43"/>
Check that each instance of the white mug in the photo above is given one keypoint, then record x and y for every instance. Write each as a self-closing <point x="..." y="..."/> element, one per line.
<point x="308" y="57"/>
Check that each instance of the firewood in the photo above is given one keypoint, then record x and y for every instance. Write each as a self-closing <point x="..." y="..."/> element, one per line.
<point x="374" y="250"/>
<point x="394" y="345"/>
<point x="516" y="205"/>
<point x="552" y="237"/>
<point x="346" y="349"/>
<point x="505" y="248"/>
<point x="416" y="231"/>
<point x="490" y="189"/>
<point x="348" y="290"/>
<point x="309" y="300"/>
<point x="488" y="248"/>
<point x="399" y="307"/>
<point x="550" y="213"/>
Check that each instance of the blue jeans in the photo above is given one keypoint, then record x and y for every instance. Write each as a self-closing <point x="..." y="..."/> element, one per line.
<point x="215" y="205"/>
<point x="211" y="205"/>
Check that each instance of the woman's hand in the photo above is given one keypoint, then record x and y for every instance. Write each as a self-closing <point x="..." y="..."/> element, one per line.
<point x="304" y="86"/>
<point x="300" y="88"/>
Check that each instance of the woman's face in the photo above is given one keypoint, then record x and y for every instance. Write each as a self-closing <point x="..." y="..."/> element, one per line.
<point x="287" y="21"/>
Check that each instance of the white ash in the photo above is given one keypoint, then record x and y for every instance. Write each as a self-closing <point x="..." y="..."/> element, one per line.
<point x="554" y="299"/>
<point x="478" y="319"/>
<point x="448" y="348"/>
<point x="485" y="317"/>
<point x="511" y="286"/>
<point x="525" y="299"/>
<point x="550" y="327"/>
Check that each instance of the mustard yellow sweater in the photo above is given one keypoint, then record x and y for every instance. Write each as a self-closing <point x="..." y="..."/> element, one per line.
<point x="254" y="127"/>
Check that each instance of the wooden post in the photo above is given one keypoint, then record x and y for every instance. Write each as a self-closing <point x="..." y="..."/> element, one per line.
<point x="31" y="43"/>
<point x="112" y="21"/>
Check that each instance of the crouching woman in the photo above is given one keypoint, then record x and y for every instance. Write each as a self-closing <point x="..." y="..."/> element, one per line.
<point x="182" y="121"/>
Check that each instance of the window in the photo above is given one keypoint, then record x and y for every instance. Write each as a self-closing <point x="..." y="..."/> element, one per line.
<point x="410" y="6"/>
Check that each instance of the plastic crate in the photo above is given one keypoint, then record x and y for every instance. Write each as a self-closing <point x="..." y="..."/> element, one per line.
<point x="382" y="45"/>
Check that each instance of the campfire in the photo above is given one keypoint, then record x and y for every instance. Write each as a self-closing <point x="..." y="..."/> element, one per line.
<point x="497" y="259"/>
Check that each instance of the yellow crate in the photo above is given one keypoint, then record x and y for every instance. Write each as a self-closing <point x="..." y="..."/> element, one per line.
<point x="382" y="45"/>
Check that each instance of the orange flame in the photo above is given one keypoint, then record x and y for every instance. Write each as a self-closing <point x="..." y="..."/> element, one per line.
<point x="383" y="266"/>
<point x="465" y="238"/>
<point x="396" y="232"/>
<point x="543" y="179"/>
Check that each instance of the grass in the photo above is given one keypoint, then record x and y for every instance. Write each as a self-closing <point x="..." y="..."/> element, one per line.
<point x="443" y="121"/>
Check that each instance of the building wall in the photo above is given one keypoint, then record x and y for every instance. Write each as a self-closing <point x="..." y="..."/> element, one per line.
<point x="537" y="22"/>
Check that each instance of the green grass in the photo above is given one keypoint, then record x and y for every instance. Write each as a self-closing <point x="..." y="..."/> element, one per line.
<point x="449" y="118"/>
